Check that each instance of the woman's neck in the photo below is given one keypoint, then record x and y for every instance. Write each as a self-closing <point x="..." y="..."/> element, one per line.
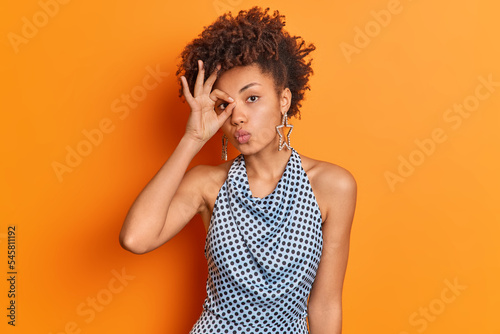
<point x="267" y="164"/>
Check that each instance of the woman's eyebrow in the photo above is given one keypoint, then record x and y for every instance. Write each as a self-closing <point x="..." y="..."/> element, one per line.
<point x="249" y="85"/>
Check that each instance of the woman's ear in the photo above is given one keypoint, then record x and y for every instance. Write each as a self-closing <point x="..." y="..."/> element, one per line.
<point x="285" y="100"/>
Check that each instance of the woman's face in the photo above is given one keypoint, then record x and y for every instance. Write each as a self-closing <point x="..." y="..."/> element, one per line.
<point x="252" y="124"/>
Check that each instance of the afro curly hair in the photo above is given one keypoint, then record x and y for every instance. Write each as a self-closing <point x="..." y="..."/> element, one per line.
<point x="252" y="37"/>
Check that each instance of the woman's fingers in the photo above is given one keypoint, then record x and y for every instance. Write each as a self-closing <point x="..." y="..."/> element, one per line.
<point x="224" y="115"/>
<point x="217" y="94"/>
<point x="203" y="99"/>
<point x="211" y="79"/>
<point x="185" y="90"/>
<point x="198" y="86"/>
<point x="201" y="86"/>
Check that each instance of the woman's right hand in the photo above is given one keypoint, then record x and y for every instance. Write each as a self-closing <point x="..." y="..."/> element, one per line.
<point x="203" y="121"/>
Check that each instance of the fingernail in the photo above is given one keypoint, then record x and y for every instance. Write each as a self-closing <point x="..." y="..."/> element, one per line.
<point x="230" y="99"/>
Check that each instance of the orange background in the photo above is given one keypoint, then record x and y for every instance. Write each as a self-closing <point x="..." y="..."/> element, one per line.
<point x="436" y="226"/>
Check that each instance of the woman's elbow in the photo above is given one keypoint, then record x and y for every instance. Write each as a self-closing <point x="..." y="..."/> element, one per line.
<point x="132" y="245"/>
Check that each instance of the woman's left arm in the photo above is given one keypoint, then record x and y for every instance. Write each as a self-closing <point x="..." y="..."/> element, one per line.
<point x="336" y="191"/>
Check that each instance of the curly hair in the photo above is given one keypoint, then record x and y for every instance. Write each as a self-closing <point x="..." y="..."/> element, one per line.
<point x="253" y="36"/>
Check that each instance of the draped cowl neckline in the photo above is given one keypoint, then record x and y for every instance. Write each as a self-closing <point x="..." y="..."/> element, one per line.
<point x="273" y="203"/>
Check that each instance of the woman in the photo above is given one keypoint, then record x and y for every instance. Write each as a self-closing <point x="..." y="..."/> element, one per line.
<point x="278" y="223"/>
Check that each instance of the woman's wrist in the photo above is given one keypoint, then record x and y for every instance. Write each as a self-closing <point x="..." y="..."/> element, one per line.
<point x="191" y="144"/>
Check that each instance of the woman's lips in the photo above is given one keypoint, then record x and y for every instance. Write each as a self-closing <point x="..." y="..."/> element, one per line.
<point x="242" y="136"/>
<point x="243" y="139"/>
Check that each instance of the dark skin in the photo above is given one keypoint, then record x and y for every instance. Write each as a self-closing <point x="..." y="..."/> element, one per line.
<point x="244" y="105"/>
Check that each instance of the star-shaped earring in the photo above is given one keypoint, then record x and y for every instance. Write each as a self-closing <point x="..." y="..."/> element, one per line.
<point x="284" y="124"/>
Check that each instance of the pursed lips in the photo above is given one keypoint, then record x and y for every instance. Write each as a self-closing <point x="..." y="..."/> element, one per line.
<point x="242" y="136"/>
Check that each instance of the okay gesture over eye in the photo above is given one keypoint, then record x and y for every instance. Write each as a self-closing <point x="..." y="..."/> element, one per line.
<point x="203" y="121"/>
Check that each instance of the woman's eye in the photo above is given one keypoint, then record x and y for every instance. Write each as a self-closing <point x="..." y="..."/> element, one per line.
<point x="222" y="106"/>
<point x="253" y="98"/>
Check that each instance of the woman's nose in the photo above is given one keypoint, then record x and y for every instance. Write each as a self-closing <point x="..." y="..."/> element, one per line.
<point x="238" y="115"/>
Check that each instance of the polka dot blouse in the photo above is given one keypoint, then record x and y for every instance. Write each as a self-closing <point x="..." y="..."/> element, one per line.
<point x="262" y="255"/>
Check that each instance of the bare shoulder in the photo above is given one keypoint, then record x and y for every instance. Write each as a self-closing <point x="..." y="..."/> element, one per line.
<point x="208" y="173"/>
<point x="325" y="174"/>
<point x="332" y="184"/>
<point x="207" y="180"/>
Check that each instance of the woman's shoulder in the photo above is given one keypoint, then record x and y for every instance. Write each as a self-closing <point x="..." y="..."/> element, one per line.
<point x="334" y="186"/>
<point x="327" y="176"/>
<point x="208" y="173"/>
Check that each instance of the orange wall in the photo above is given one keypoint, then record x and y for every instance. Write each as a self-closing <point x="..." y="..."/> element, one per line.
<point x="400" y="97"/>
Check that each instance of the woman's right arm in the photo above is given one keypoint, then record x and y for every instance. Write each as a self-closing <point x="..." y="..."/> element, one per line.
<point x="172" y="197"/>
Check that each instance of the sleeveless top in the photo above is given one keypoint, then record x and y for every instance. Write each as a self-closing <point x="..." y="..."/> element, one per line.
<point x="262" y="255"/>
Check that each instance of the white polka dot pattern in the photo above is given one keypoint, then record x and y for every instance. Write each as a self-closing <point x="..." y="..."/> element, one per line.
<point x="262" y="255"/>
